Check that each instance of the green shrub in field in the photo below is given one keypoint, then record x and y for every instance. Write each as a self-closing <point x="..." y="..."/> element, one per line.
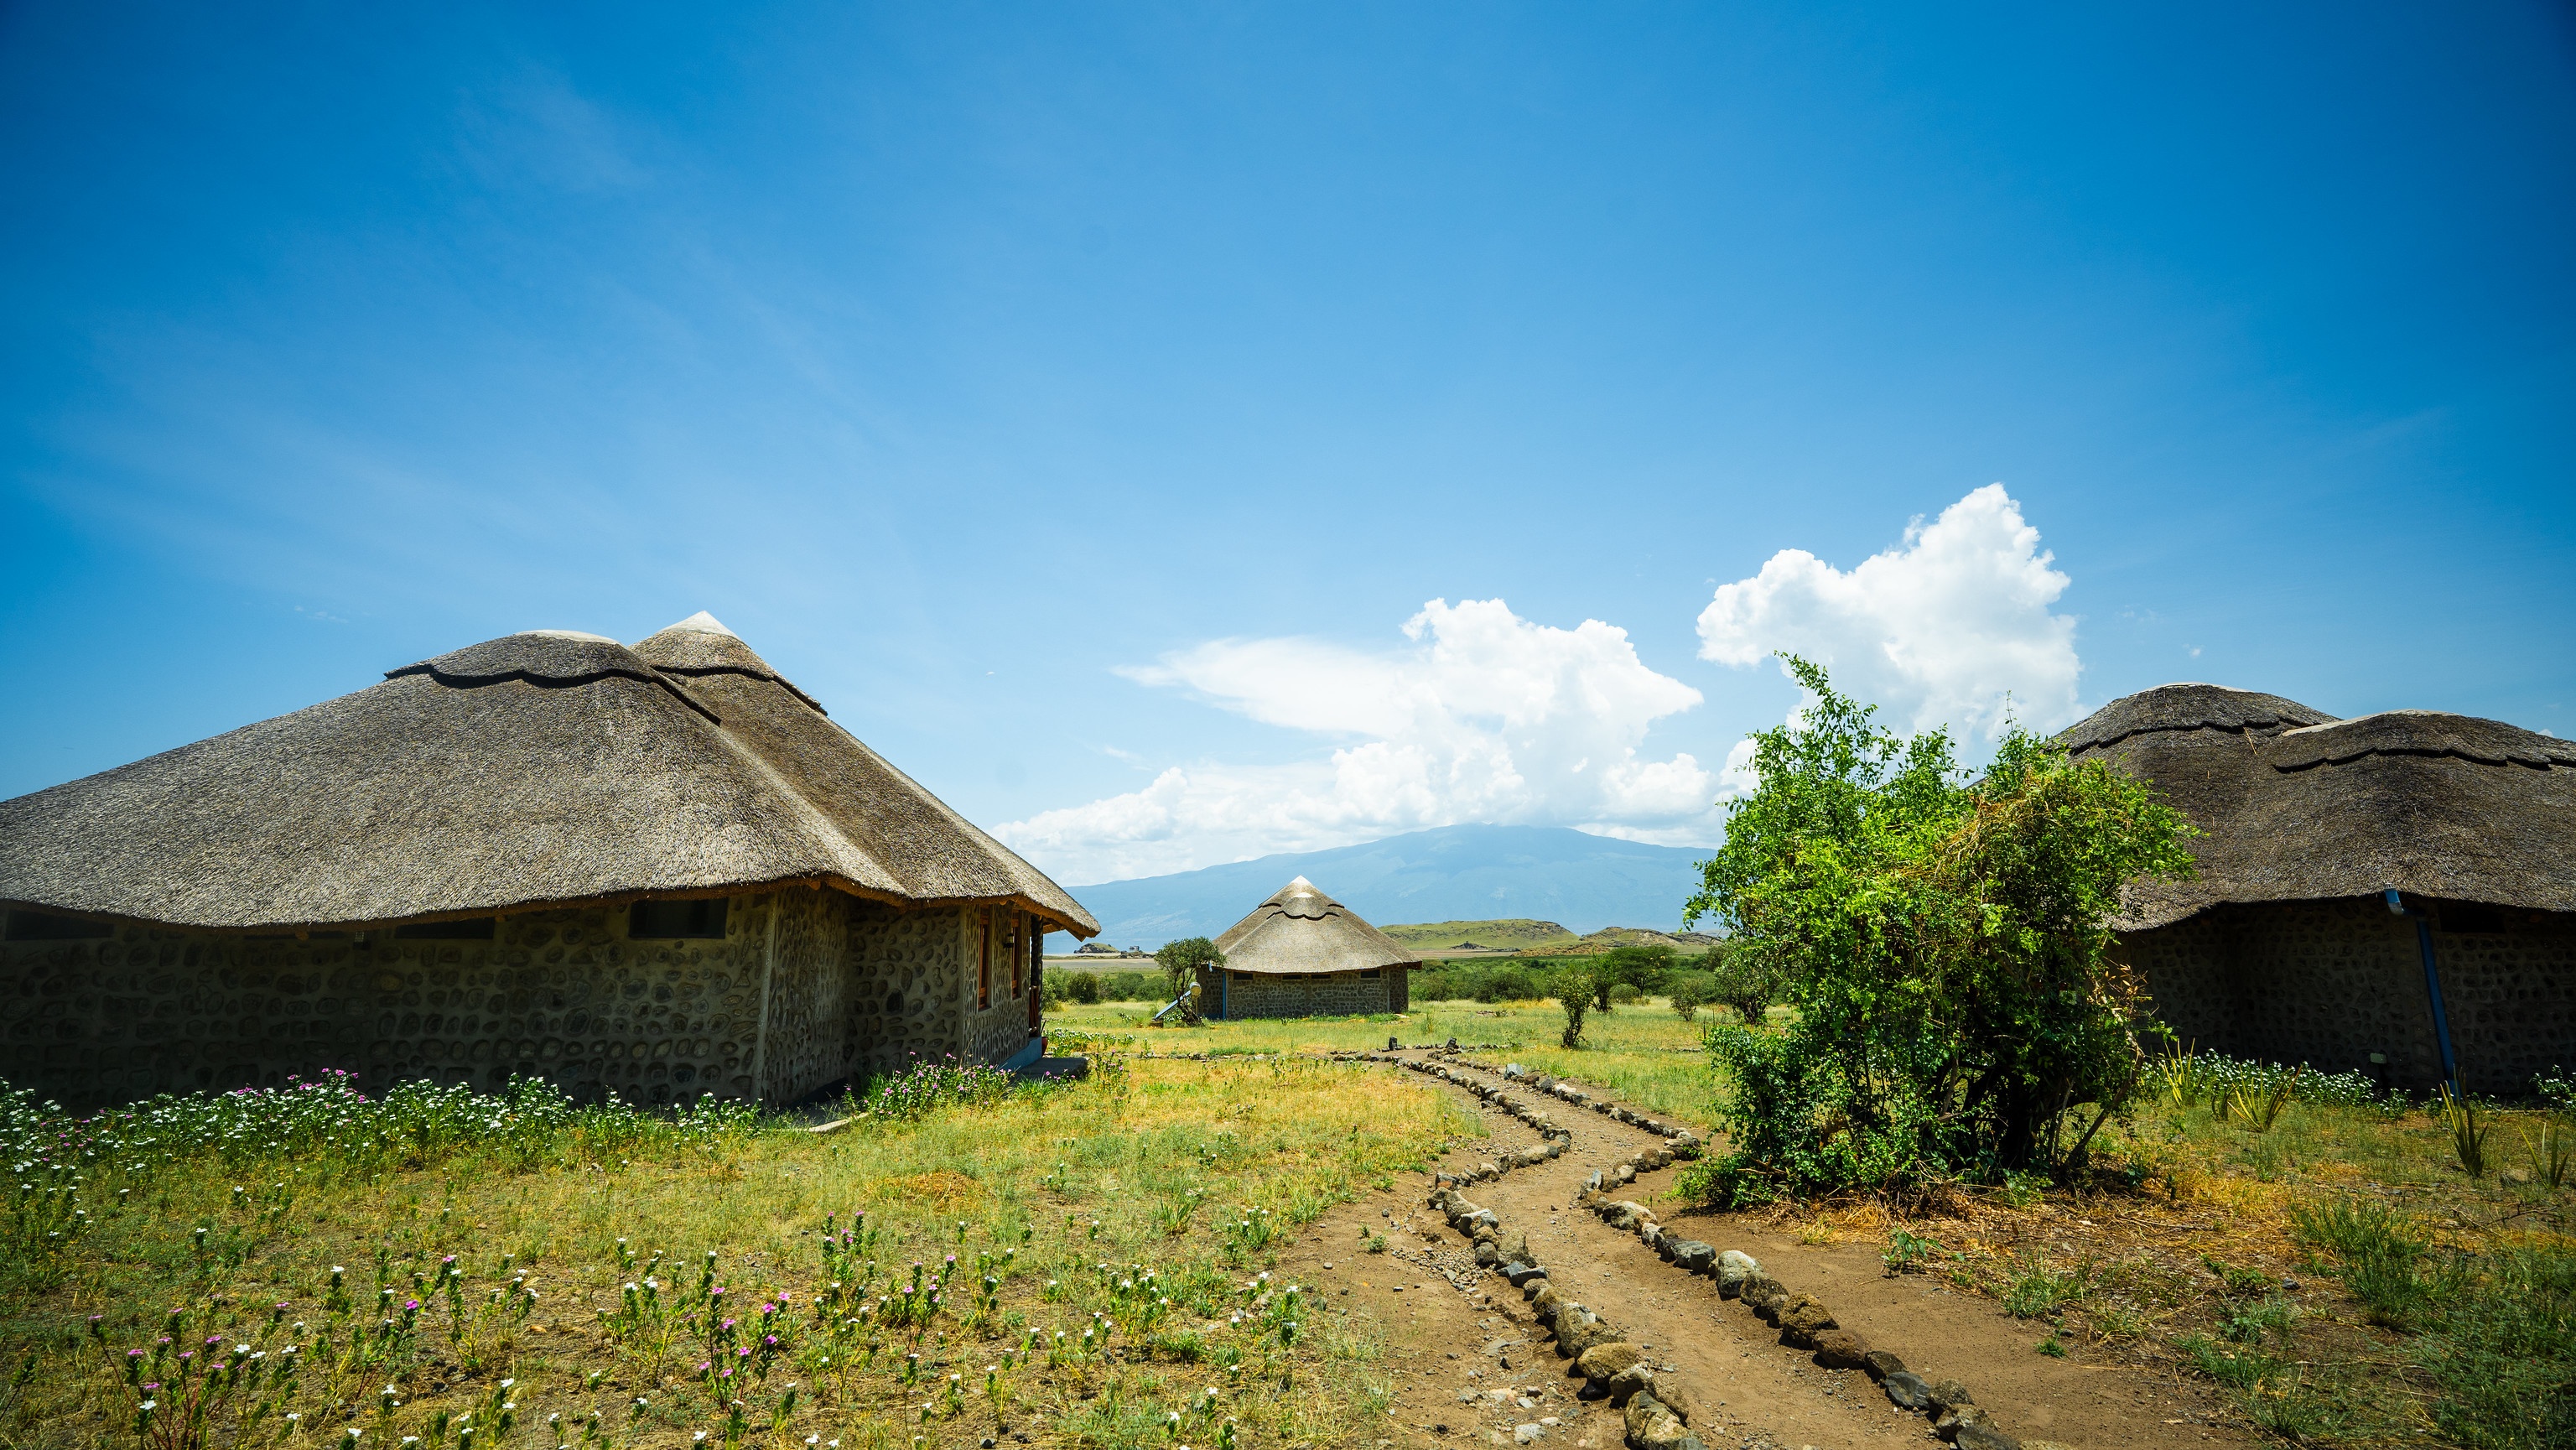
<point x="1747" y="982"/>
<point x="1946" y="944"/>
<point x="1687" y="991"/>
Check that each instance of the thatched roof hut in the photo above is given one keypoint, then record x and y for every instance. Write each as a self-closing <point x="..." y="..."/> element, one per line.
<point x="1301" y="953"/>
<point x="1300" y="931"/>
<point x="537" y="769"/>
<point x="2296" y="805"/>
<point x="2285" y="943"/>
<point x="660" y="871"/>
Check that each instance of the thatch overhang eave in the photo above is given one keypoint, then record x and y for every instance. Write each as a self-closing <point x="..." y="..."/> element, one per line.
<point x="531" y="906"/>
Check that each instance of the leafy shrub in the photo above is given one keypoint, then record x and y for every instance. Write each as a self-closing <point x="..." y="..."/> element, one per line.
<point x="1946" y="945"/>
<point x="1573" y="987"/>
<point x="1747" y="982"/>
<point x="1686" y="991"/>
<point x="1083" y="987"/>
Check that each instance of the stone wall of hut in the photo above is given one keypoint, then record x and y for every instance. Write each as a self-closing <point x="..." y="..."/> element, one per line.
<point x="2329" y="983"/>
<point x="999" y="1028"/>
<point x="565" y="994"/>
<point x="1339" y="994"/>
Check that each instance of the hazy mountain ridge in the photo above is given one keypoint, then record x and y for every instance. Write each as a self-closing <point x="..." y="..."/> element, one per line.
<point x="1453" y="873"/>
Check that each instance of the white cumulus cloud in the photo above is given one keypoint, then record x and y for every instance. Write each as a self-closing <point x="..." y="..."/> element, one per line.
<point x="1480" y="716"/>
<point x="1937" y="630"/>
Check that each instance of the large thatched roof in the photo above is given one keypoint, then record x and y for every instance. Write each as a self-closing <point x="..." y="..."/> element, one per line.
<point x="2298" y="805"/>
<point x="1302" y="930"/>
<point x="535" y="769"/>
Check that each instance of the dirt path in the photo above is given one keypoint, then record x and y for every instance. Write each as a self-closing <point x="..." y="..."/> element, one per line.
<point x="1471" y="1365"/>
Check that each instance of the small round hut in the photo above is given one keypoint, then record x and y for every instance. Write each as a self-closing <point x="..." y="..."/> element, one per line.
<point x="1303" y="954"/>
<point x="2394" y="893"/>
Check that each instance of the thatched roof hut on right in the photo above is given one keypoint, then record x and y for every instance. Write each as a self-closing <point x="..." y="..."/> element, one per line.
<point x="2395" y="893"/>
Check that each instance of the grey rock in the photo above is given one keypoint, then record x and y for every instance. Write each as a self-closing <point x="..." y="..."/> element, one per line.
<point x="1626" y="1214"/>
<point x="1906" y="1390"/>
<point x="1733" y="1268"/>
<point x="1881" y="1364"/>
<point x="1522" y="1274"/>
<point x="1949" y="1395"/>
<point x="1486" y="1257"/>
<point x="1693" y="1256"/>
<point x="1978" y="1434"/>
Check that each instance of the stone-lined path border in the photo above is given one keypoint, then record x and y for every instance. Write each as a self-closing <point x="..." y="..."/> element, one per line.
<point x="1657" y="1408"/>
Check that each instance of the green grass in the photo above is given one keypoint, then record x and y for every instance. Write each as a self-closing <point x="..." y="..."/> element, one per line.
<point x="2457" y="1318"/>
<point x="1643" y="1053"/>
<point x="570" y="1279"/>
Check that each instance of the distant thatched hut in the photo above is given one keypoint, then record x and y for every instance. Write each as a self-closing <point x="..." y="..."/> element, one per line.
<point x="1303" y="954"/>
<point x="660" y="871"/>
<point x="2289" y="943"/>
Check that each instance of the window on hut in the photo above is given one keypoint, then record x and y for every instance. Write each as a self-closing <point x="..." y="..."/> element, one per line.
<point x="1011" y="949"/>
<point x="45" y="926"/>
<point x="477" y="928"/>
<point x="984" y="963"/>
<point x="1368" y="974"/>
<point x="705" y="919"/>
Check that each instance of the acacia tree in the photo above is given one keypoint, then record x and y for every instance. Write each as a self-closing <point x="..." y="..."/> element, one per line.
<point x="1181" y="960"/>
<point x="1946" y="946"/>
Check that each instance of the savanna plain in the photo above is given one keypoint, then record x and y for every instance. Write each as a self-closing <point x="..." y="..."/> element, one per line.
<point x="969" y="1261"/>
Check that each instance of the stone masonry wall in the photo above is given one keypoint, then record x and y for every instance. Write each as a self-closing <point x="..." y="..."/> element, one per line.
<point x="807" y="1044"/>
<point x="2329" y="983"/>
<point x="906" y="971"/>
<point x="853" y="985"/>
<point x="1343" y="994"/>
<point x="562" y="993"/>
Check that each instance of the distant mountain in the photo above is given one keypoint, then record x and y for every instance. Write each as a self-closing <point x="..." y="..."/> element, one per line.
<point x="1454" y="873"/>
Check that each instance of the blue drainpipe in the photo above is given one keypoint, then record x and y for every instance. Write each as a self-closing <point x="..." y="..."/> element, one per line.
<point x="2432" y="986"/>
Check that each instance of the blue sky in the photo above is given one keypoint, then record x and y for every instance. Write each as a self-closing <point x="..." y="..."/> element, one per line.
<point x="1081" y="401"/>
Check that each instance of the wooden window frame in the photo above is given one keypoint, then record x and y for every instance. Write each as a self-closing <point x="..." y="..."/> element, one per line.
<point x="984" y="964"/>
<point x="1019" y="959"/>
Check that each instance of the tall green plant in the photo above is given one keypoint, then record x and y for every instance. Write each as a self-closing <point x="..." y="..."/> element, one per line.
<point x="1945" y="944"/>
<point x="1181" y="960"/>
<point x="1573" y="989"/>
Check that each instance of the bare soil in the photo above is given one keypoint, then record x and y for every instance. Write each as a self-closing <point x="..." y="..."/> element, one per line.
<point x="1469" y="1364"/>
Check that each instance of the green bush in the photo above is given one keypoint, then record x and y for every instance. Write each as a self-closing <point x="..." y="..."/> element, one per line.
<point x="1573" y="988"/>
<point x="1508" y="981"/>
<point x="1686" y="991"/>
<point x="1946" y="944"/>
<point x="1746" y="982"/>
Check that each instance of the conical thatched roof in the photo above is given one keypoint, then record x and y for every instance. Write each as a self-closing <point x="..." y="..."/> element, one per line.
<point x="536" y="769"/>
<point x="2297" y="805"/>
<point x="1302" y="930"/>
